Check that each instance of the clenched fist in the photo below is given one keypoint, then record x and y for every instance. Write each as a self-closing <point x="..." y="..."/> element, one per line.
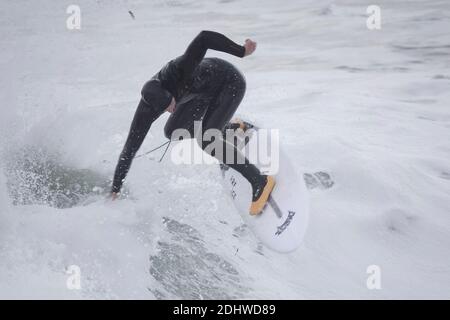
<point x="250" y="47"/>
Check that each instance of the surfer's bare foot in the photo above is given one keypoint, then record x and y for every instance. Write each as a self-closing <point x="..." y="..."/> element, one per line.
<point x="261" y="196"/>
<point x="241" y="123"/>
<point x="238" y="123"/>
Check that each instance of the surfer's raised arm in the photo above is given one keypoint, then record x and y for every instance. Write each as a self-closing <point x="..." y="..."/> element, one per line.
<point x="143" y="119"/>
<point x="205" y="40"/>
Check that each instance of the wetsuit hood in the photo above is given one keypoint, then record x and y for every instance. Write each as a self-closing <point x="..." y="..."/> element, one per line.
<point x="155" y="95"/>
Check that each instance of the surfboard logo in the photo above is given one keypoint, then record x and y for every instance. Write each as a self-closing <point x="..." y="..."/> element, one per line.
<point x="286" y="223"/>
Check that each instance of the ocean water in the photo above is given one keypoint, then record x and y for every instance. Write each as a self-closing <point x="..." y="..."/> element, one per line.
<point x="363" y="113"/>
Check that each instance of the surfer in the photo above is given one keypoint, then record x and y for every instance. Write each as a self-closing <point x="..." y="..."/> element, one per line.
<point x="194" y="88"/>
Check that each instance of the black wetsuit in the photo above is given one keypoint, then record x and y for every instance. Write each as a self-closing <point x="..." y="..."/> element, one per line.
<point x="205" y="89"/>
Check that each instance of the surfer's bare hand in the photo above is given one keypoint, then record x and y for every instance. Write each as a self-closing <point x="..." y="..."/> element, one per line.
<point x="250" y="47"/>
<point x="172" y="106"/>
<point x="114" y="196"/>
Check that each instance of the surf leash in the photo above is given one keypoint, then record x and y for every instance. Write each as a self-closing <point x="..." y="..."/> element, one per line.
<point x="157" y="148"/>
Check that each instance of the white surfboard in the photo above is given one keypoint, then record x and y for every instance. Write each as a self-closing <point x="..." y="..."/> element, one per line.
<point x="282" y="224"/>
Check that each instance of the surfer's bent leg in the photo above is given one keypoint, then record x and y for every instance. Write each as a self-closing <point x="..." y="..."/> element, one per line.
<point x="215" y="109"/>
<point x="218" y="116"/>
<point x="185" y="115"/>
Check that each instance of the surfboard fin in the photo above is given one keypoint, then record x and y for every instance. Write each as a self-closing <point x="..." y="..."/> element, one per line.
<point x="258" y="205"/>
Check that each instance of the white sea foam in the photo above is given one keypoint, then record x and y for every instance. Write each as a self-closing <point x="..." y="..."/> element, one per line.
<point x="367" y="108"/>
